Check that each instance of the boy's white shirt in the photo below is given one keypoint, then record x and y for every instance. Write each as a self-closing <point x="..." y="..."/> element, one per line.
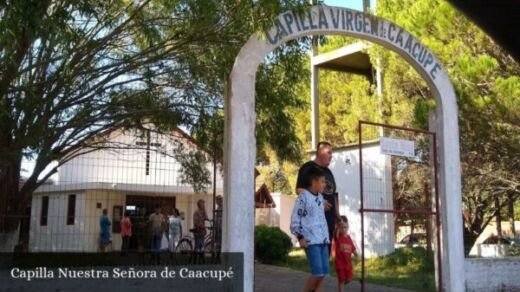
<point x="308" y="218"/>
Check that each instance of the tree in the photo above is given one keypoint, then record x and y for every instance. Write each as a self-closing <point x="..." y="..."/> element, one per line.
<point x="277" y="99"/>
<point x="273" y="175"/>
<point x="72" y="69"/>
<point x="487" y="86"/>
<point x="486" y="80"/>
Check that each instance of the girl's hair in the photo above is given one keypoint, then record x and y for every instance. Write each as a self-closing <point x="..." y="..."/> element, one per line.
<point x="342" y="219"/>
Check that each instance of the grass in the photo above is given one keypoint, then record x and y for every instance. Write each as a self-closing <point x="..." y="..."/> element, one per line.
<point x="406" y="268"/>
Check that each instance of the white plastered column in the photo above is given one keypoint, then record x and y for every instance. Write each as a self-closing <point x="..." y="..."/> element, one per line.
<point x="239" y="157"/>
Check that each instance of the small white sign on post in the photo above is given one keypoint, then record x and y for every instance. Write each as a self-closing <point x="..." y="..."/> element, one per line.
<point x="397" y="147"/>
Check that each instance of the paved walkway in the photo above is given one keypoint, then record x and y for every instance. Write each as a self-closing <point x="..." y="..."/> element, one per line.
<point x="278" y="279"/>
<point x="268" y="279"/>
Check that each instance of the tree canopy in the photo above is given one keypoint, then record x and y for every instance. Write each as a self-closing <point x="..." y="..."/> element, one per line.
<point x="71" y="69"/>
<point x="487" y="84"/>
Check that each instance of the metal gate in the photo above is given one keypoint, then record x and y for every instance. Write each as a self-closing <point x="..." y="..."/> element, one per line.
<point x="399" y="206"/>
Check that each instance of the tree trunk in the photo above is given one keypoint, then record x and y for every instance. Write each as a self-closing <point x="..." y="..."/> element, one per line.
<point x="10" y="200"/>
<point x="11" y="210"/>
<point x="511" y="211"/>
<point x="469" y="239"/>
<point x="498" y="217"/>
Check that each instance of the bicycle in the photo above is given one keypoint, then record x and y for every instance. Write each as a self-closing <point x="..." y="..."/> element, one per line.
<point x="186" y="246"/>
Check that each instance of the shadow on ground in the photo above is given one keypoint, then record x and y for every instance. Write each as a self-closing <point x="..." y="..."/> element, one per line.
<point x="280" y="279"/>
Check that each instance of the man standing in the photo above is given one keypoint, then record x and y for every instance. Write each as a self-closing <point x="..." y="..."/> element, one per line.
<point x="126" y="233"/>
<point x="157" y="221"/>
<point x="330" y="196"/>
<point x="199" y="217"/>
<point x="104" y="225"/>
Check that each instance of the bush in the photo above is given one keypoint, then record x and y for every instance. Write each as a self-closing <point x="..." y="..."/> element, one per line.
<point x="514" y="251"/>
<point x="271" y="244"/>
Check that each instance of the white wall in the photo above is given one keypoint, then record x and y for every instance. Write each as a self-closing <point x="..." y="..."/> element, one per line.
<point x="83" y="236"/>
<point x="279" y="216"/>
<point x="57" y="235"/>
<point x="493" y="250"/>
<point x="379" y="228"/>
<point x="106" y="177"/>
<point x="489" y="275"/>
<point x="129" y="165"/>
<point x="286" y="206"/>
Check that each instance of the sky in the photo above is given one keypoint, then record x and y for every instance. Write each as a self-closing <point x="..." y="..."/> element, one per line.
<point x="353" y="4"/>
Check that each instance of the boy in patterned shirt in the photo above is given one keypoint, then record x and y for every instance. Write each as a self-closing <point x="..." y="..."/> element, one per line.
<point x="309" y="225"/>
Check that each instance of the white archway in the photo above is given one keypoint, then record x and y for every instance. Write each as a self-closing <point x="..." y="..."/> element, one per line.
<point x="240" y="152"/>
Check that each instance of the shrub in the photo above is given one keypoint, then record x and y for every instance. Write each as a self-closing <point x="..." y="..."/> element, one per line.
<point x="514" y="251"/>
<point x="271" y="244"/>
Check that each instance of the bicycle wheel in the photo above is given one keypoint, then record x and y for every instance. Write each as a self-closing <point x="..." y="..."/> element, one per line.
<point x="210" y="252"/>
<point x="184" y="247"/>
<point x="184" y="251"/>
<point x="207" y="239"/>
<point x="209" y="247"/>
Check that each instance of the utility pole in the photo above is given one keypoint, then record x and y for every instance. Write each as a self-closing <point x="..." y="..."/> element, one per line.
<point x="366" y="5"/>
<point x="315" y="104"/>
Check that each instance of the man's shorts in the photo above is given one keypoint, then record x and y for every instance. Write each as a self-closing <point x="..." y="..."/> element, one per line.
<point x="318" y="257"/>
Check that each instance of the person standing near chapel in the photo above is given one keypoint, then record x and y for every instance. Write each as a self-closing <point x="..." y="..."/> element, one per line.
<point x="104" y="236"/>
<point x="199" y="218"/>
<point x="322" y="160"/>
<point x="158" y="223"/>
<point x="174" y="229"/>
<point x="126" y="233"/>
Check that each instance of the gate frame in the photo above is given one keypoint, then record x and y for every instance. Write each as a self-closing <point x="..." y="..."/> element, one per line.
<point x="240" y="117"/>
<point x="436" y="213"/>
